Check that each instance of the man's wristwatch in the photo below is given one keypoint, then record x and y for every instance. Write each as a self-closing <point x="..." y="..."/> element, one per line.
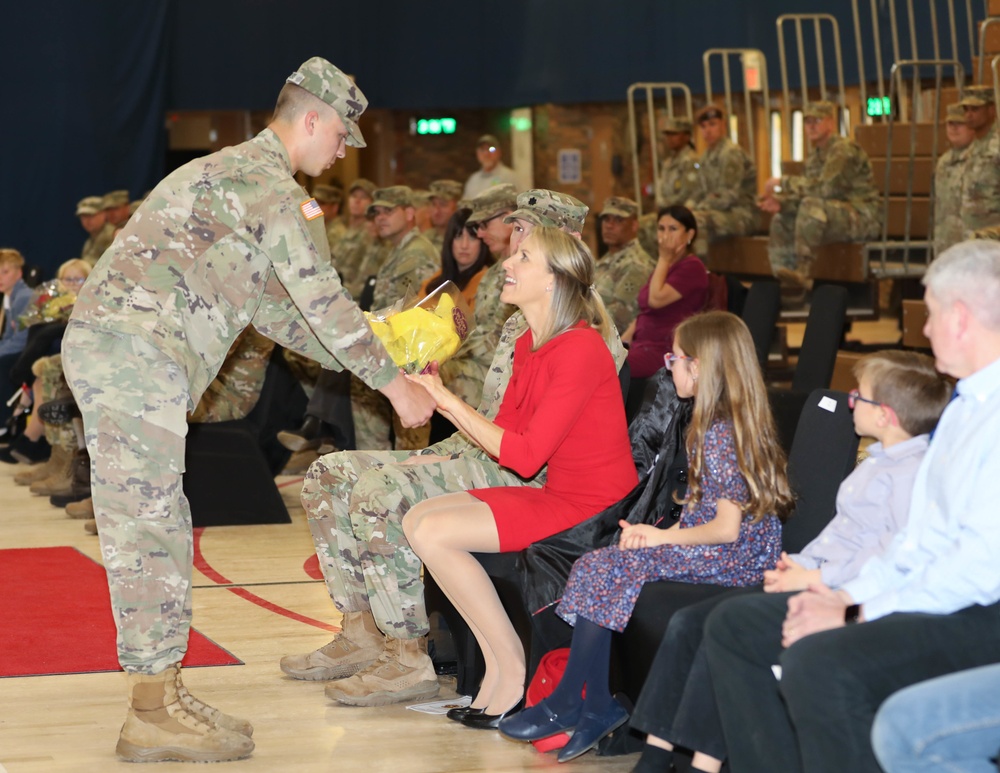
<point x="852" y="614"/>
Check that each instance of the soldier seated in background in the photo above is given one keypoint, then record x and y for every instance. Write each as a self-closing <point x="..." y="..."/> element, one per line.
<point x="622" y="271"/>
<point x="358" y="238"/>
<point x="100" y="233"/>
<point x="329" y="197"/>
<point x="679" y="170"/>
<point x="948" y="176"/>
<point x="444" y="201"/>
<point x="116" y="208"/>
<point x="723" y="202"/>
<point x="834" y="201"/>
<point x="980" y="204"/>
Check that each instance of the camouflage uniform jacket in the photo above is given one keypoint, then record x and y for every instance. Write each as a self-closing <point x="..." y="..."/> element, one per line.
<point x="235" y="390"/>
<point x="335" y="231"/>
<point x="220" y="243"/>
<point x="727" y="179"/>
<point x="405" y="268"/>
<point x="435" y="237"/>
<point x="95" y="245"/>
<point x="981" y="184"/>
<point x="678" y="177"/>
<point x="618" y="277"/>
<point x="349" y="254"/>
<point x="948" y="177"/>
<point x="839" y="170"/>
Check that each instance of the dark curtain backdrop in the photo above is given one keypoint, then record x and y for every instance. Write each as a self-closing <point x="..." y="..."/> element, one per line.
<point x="86" y="85"/>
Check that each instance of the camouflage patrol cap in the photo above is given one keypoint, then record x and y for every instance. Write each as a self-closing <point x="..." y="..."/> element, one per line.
<point x="820" y="110"/>
<point x="488" y="139"/>
<point x="115" y="199"/>
<point x="620" y="207"/>
<point x="366" y="185"/>
<point x="675" y="125"/>
<point x="956" y="114"/>
<point x="328" y="194"/>
<point x="708" y="112"/>
<point x="977" y="96"/>
<point x="421" y="197"/>
<point x="324" y="80"/>
<point x="394" y="196"/>
<point x="446" y="189"/>
<point x="544" y="207"/>
<point x="491" y="202"/>
<point x="90" y="205"/>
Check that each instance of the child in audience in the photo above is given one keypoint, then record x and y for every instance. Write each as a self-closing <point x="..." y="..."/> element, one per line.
<point x="729" y="533"/>
<point x="899" y="398"/>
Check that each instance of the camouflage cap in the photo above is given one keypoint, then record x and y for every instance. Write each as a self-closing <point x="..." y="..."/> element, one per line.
<point x="675" y="125"/>
<point x="328" y="194"/>
<point x="977" y="96"/>
<point x="421" y="197"/>
<point x="709" y="112"/>
<point x="366" y="185"/>
<point x="324" y="80"/>
<point x="955" y="114"/>
<point x="492" y="202"/>
<point x="820" y="110"/>
<point x="620" y="207"/>
<point x="488" y="139"/>
<point x="446" y="189"/>
<point x="90" y="205"/>
<point x="394" y="196"/>
<point x="544" y="207"/>
<point x="115" y="199"/>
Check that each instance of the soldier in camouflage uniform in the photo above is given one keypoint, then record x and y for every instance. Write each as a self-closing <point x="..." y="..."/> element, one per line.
<point x="949" y="228"/>
<point x="626" y="266"/>
<point x="834" y="201"/>
<point x="444" y="201"/>
<point x="100" y="233"/>
<point x="356" y="502"/>
<point x="358" y="237"/>
<point x="329" y="198"/>
<point x="225" y="241"/>
<point x="116" y="208"/>
<point x="679" y="170"/>
<point x="724" y="203"/>
<point x="981" y="179"/>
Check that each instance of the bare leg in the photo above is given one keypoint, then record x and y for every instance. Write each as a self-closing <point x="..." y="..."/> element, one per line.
<point x="34" y="428"/>
<point x="659" y="743"/>
<point x="444" y="531"/>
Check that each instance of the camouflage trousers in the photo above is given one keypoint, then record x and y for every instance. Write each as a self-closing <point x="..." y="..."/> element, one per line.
<point x="796" y="233"/>
<point x="373" y="418"/>
<point x="53" y="386"/>
<point x="949" y="230"/>
<point x="134" y="402"/>
<point x="356" y="500"/>
<point x="716" y="224"/>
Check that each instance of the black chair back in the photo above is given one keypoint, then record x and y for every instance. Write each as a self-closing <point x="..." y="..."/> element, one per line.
<point x="824" y="333"/>
<point x="760" y="313"/>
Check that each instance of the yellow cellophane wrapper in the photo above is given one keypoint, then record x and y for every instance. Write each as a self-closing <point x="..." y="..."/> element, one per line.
<point x="430" y="330"/>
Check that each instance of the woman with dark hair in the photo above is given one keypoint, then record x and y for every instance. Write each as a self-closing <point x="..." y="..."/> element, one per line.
<point x="464" y="259"/>
<point x="677" y="289"/>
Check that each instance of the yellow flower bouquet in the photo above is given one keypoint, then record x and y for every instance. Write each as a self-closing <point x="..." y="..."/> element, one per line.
<point x="50" y="302"/>
<point x="418" y="333"/>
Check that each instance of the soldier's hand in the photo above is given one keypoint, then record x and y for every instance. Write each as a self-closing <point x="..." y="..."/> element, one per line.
<point x="412" y="403"/>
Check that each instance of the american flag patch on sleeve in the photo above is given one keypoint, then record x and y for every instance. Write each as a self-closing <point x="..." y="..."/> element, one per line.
<point x="310" y="209"/>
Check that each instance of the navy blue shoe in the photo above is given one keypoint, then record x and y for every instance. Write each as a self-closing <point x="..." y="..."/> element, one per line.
<point x="537" y="722"/>
<point x="591" y="729"/>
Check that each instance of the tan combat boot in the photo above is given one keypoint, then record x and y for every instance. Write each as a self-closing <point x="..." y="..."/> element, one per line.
<point x="61" y="477"/>
<point x="357" y="646"/>
<point x="160" y="727"/>
<point x="84" y="509"/>
<point x="90" y="526"/>
<point x="404" y="672"/>
<point x="210" y="713"/>
<point x="42" y="471"/>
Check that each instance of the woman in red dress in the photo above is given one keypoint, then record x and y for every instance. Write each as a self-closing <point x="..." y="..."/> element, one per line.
<point x="564" y="409"/>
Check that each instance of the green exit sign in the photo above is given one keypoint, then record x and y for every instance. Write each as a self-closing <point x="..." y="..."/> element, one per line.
<point x="879" y="106"/>
<point x="436" y="125"/>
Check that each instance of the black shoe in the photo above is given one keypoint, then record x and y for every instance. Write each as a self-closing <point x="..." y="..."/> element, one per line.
<point x="28" y="451"/>
<point x="483" y="721"/>
<point x="59" y="412"/>
<point x="61" y="500"/>
<point x="461" y="712"/>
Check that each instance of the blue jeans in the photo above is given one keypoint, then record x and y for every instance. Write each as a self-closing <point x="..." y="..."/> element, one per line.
<point x="951" y="723"/>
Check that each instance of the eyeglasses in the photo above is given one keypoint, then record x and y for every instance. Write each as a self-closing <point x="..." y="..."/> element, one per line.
<point x="482" y="225"/>
<point x="854" y="397"/>
<point x="671" y="358"/>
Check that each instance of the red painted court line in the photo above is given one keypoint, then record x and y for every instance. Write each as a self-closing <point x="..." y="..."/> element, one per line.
<point x="291" y="482"/>
<point x="202" y="565"/>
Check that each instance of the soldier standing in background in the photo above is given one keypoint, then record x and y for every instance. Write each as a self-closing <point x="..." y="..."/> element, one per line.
<point x="492" y="170"/>
<point x="723" y="204"/>
<point x="225" y="241"/>
<point x="834" y="201"/>
<point x="948" y="176"/>
<point x="623" y="270"/>
<point x="981" y="180"/>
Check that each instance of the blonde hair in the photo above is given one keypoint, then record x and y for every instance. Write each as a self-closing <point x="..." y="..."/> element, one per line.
<point x="294" y="102"/>
<point x="731" y="388"/>
<point x="10" y="256"/>
<point x="908" y="383"/>
<point x="77" y="263"/>
<point x="574" y="297"/>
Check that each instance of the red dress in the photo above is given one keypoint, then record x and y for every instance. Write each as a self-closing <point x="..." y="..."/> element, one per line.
<point x="563" y="407"/>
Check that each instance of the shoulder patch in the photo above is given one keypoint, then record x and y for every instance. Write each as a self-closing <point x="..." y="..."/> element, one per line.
<point x="310" y="209"/>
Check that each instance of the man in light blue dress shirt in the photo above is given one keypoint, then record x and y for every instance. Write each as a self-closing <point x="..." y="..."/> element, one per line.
<point x="927" y="607"/>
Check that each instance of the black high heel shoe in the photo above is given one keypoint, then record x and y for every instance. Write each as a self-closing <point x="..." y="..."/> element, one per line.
<point x="483" y="721"/>
<point x="461" y="712"/>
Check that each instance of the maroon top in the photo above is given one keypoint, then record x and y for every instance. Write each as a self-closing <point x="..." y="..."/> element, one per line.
<point x="654" y="328"/>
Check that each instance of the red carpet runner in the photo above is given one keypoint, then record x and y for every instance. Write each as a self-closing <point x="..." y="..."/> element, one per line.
<point x="56" y="617"/>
